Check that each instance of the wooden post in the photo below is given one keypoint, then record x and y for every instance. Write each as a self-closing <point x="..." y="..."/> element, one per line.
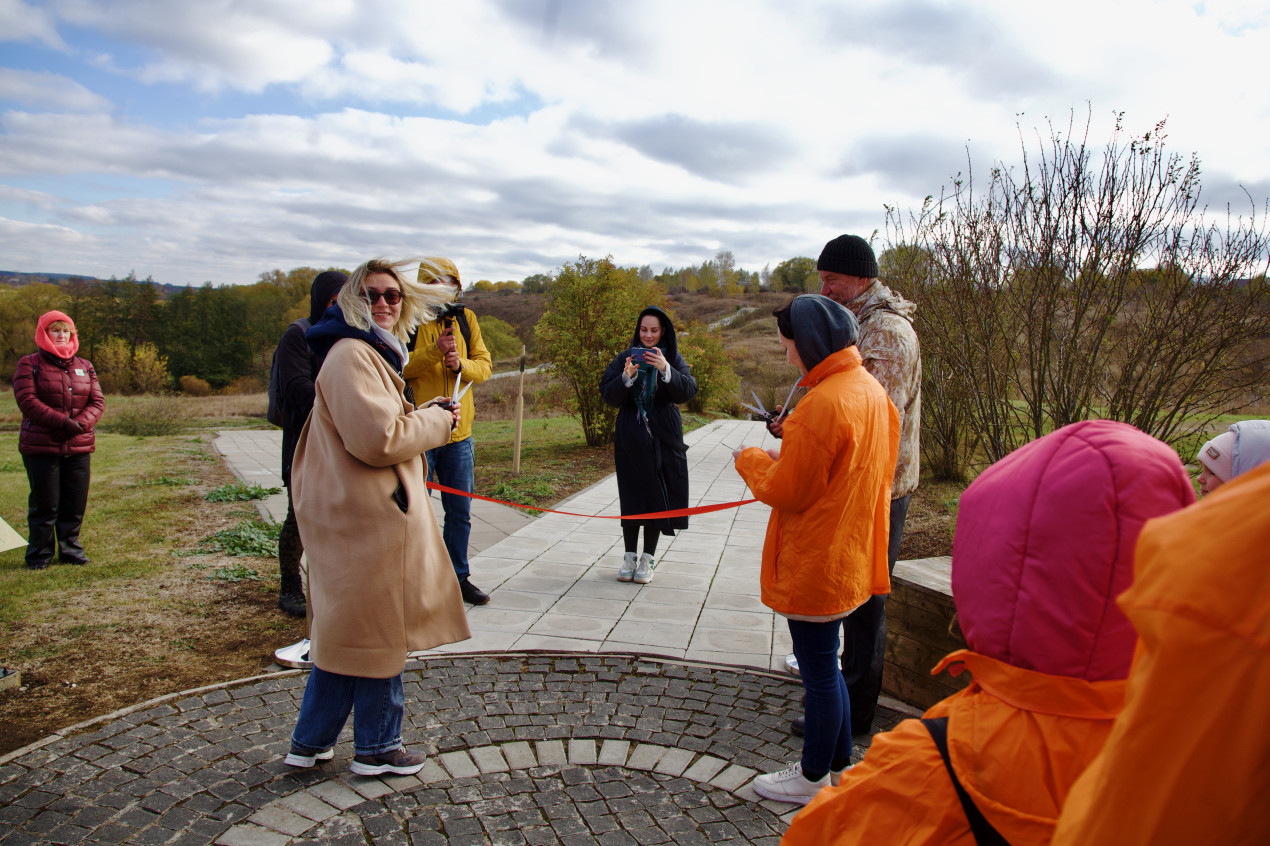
<point x="520" y="414"/>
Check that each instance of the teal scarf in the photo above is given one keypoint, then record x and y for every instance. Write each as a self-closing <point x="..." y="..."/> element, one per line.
<point x="645" y="387"/>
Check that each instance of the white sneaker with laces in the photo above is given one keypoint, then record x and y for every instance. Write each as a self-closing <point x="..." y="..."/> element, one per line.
<point x="627" y="571"/>
<point x="644" y="572"/>
<point x="789" y="785"/>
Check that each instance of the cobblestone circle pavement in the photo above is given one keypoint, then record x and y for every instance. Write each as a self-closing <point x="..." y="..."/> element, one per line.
<point x="525" y="748"/>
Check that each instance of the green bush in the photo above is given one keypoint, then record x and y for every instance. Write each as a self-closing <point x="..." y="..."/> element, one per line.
<point x="717" y="382"/>
<point x="195" y="386"/>
<point x="500" y="338"/>
<point x="146" y="418"/>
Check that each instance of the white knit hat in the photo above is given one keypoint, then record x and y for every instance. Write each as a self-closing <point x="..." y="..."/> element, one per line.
<point x="1215" y="455"/>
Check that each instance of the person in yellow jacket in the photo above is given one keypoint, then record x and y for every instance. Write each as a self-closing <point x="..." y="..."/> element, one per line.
<point x="825" y="550"/>
<point x="441" y="353"/>
<point x="1188" y="760"/>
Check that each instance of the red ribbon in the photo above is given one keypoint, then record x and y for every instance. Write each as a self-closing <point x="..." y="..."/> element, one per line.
<point x="655" y="515"/>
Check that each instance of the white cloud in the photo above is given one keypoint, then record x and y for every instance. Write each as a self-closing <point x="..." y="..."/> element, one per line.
<point x="20" y="22"/>
<point x="514" y="136"/>
<point x="48" y="91"/>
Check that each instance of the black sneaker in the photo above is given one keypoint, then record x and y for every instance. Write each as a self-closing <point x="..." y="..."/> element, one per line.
<point x="798" y="726"/>
<point x="397" y="762"/>
<point x="78" y="562"/>
<point x="473" y="595"/>
<point x="37" y="565"/>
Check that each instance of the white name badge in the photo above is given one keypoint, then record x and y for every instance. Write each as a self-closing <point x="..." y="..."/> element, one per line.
<point x="79" y="371"/>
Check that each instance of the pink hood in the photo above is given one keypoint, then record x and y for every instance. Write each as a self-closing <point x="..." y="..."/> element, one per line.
<point x="1045" y="541"/>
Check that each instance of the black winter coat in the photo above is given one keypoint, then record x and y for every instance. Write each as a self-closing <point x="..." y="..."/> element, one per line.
<point x="51" y="392"/>
<point x="652" y="464"/>
<point x="298" y="367"/>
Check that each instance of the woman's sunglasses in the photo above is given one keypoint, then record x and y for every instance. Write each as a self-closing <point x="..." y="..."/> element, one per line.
<point x="392" y="296"/>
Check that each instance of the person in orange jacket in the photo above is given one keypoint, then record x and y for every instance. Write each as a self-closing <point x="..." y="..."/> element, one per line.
<point x="1188" y="759"/>
<point x="1044" y="544"/>
<point x="825" y="552"/>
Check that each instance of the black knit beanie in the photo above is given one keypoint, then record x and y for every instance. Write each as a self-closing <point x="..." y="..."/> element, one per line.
<point x="850" y="255"/>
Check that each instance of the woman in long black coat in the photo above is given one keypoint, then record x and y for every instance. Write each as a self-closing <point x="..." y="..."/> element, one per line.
<point x="645" y="382"/>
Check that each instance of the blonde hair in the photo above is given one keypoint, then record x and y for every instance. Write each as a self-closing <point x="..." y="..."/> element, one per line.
<point x="419" y="303"/>
<point x="60" y="324"/>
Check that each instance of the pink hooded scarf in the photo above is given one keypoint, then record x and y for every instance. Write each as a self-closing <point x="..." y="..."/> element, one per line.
<point x="45" y="342"/>
<point x="1045" y="542"/>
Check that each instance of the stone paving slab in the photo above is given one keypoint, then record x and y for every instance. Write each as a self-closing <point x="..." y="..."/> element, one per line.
<point x="522" y="749"/>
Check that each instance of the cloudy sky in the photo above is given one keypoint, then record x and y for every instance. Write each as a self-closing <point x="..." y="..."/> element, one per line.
<point x="216" y="139"/>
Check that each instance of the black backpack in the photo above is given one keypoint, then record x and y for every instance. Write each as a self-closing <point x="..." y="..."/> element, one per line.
<point x="274" y="414"/>
<point x="456" y="312"/>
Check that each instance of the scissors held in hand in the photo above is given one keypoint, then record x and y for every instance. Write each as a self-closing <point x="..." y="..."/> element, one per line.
<point x="771" y="416"/>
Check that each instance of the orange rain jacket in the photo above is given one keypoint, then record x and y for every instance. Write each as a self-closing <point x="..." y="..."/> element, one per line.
<point x="901" y="793"/>
<point x="1044" y="540"/>
<point x="830" y="493"/>
<point x="1188" y="761"/>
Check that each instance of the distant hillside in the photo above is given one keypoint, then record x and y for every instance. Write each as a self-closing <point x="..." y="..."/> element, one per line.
<point x="15" y="279"/>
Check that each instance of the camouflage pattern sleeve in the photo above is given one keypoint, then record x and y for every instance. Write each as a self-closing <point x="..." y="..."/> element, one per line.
<point x="891" y="353"/>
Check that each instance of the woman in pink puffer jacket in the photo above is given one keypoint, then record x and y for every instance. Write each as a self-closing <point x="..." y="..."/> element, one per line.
<point x="60" y="400"/>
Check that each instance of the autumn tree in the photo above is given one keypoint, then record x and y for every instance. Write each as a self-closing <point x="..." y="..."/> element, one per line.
<point x="796" y="276"/>
<point x="1088" y="282"/>
<point x="591" y="310"/>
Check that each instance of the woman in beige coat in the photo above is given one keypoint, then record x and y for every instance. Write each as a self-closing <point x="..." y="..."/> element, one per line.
<point x="380" y="581"/>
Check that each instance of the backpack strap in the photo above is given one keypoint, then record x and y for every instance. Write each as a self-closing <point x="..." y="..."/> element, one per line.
<point x="464" y="328"/>
<point x="980" y="828"/>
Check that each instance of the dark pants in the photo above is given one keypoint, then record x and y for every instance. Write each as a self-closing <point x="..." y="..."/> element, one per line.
<point x="289" y="551"/>
<point x="864" y="638"/>
<point x="59" y="495"/>
<point x="827" y="739"/>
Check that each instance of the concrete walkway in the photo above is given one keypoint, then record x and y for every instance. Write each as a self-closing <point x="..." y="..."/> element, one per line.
<point x="552" y="579"/>
<point x="588" y="711"/>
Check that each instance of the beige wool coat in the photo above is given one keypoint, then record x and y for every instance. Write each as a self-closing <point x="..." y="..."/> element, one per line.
<point x="380" y="580"/>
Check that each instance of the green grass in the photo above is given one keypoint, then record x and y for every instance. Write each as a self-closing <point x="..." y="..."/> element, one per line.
<point x="239" y="492"/>
<point x="129" y="524"/>
<point x="256" y="538"/>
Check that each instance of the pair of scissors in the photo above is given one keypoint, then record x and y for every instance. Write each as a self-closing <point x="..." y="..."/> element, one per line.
<point x="457" y="394"/>
<point x="771" y="416"/>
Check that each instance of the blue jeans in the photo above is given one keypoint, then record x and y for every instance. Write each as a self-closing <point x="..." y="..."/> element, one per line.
<point x="454" y="465"/>
<point x="864" y="637"/>
<point x="827" y="738"/>
<point x="377" y="706"/>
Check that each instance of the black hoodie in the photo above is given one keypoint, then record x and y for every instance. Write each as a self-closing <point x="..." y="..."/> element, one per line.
<point x="298" y="366"/>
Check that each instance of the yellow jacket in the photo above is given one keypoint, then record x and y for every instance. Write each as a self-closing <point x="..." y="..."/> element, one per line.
<point x="428" y="377"/>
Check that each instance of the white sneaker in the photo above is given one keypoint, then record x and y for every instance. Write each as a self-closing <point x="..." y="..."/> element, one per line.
<point x="295" y="656"/>
<point x="296" y="758"/>
<point x="789" y="785"/>
<point x="627" y="571"/>
<point x="644" y="572"/>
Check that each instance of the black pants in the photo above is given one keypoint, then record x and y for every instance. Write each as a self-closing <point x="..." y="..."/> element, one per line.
<point x="289" y="550"/>
<point x="864" y="638"/>
<point x="59" y="495"/>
